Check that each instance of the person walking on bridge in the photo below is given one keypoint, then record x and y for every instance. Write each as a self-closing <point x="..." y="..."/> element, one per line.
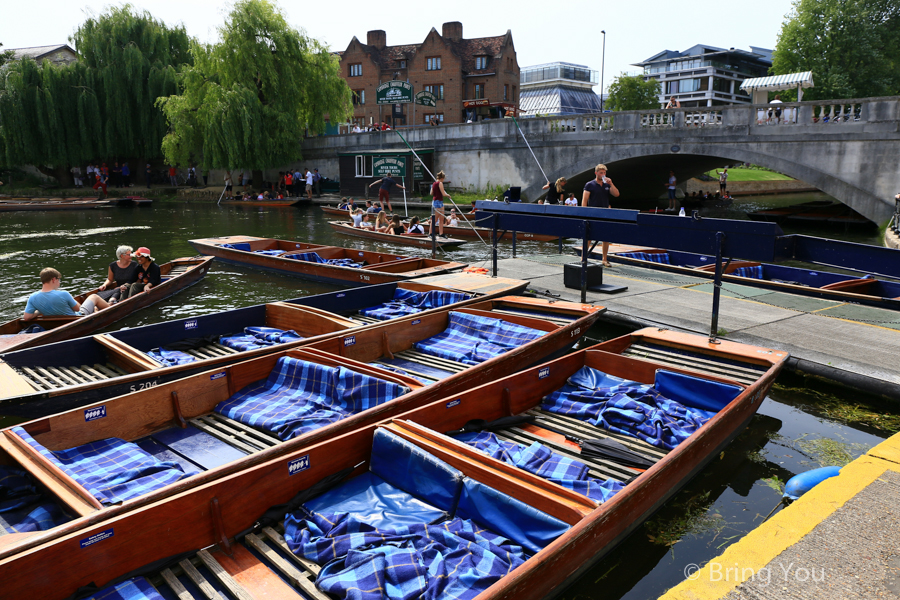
<point x="596" y="195"/>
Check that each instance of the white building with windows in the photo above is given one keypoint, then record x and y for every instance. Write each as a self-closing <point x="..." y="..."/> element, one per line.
<point x="558" y="88"/>
<point x="706" y="75"/>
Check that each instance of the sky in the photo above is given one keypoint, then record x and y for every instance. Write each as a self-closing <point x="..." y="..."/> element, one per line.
<point x="570" y="32"/>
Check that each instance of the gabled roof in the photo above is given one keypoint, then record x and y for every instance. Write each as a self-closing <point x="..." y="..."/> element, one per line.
<point x="37" y="52"/>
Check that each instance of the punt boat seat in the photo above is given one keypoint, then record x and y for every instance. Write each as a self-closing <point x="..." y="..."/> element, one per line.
<point x="25" y="507"/>
<point x="857" y="286"/>
<point x="315" y="258"/>
<point x="407" y="302"/>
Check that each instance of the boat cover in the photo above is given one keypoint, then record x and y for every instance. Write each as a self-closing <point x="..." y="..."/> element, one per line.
<point x="259" y="337"/>
<point x="269" y="252"/>
<point x="315" y="258"/>
<point x="111" y="470"/>
<point x="300" y="396"/>
<point x="237" y="246"/>
<point x="407" y="302"/>
<point x="657" y="257"/>
<point x="136" y="588"/>
<point x="22" y="507"/>
<point x="169" y="358"/>
<point x="473" y="339"/>
<point x="543" y="462"/>
<point x="749" y="272"/>
<point x="634" y="409"/>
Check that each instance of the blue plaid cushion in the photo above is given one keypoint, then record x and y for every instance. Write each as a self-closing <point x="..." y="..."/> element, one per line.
<point x="111" y="470"/>
<point x="545" y="463"/>
<point x="137" y="588"/>
<point x="300" y="396"/>
<point x="314" y="257"/>
<point x="455" y="560"/>
<point x="750" y="272"/>
<point x="22" y="507"/>
<point x="407" y="302"/>
<point x="657" y="257"/>
<point x="625" y="407"/>
<point x="237" y="246"/>
<point x="269" y="252"/>
<point x="170" y="358"/>
<point x="259" y="337"/>
<point x="473" y="339"/>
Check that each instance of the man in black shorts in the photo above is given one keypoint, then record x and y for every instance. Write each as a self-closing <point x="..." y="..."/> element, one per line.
<point x="596" y="195"/>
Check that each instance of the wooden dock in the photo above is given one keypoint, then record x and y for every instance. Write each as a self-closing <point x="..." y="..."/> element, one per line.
<point x="856" y="345"/>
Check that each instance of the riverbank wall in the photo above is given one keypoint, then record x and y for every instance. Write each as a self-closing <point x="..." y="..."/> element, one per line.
<point x="750" y="188"/>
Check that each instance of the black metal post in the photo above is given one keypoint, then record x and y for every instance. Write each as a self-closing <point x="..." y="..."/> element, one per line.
<point x="717" y="289"/>
<point x="433" y="236"/>
<point x="584" y="259"/>
<point x="494" y="242"/>
<point x="560" y="244"/>
<point x="514" y="244"/>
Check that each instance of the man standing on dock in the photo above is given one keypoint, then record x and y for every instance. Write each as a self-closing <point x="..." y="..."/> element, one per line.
<point x="596" y="195"/>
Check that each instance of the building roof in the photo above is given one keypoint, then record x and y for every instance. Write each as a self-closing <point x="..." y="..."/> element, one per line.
<point x="774" y="83"/>
<point x="558" y="100"/>
<point x="37" y="52"/>
<point x="761" y="54"/>
<point x="467" y="50"/>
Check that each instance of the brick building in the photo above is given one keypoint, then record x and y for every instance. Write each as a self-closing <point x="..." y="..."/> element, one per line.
<point x="472" y="79"/>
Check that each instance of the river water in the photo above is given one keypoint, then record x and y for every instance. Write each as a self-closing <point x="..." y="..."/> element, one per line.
<point x="726" y="500"/>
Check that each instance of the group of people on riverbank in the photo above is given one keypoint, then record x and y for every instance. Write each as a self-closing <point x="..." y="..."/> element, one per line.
<point x="125" y="279"/>
<point x="100" y="176"/>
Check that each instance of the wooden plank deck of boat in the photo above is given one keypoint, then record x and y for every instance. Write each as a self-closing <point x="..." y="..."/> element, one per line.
<point x="845" y="342"/>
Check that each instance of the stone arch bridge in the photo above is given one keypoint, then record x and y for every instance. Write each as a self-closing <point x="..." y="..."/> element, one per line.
<point x="849" y="149"/>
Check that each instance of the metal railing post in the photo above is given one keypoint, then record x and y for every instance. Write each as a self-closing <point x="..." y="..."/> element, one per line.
<point x="494" y="242"/>
<point x="584" y="258"/>
<point x="717" y="290"/>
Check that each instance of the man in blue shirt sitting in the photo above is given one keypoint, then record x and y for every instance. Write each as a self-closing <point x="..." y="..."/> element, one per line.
<point x="54" y="302"/>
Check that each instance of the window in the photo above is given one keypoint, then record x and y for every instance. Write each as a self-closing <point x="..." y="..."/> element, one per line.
<point x="356" y="70"/>
<point x="513" y="97"/>
<point x="479" y="90"/>
<point x="506" y="92"/>
<point x="439" y="116"/>
<point x="363" y="166"/>
<point x="433" y="63"/>
<point x="481" y="62"/>
<point x="437" y="89"/>
<point x="401" y="64"/>
<point x="359" y="97"/>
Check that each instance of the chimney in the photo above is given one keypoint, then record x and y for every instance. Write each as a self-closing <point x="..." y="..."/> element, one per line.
<point x="377" y="38"/>
<point x="453" y="31"/>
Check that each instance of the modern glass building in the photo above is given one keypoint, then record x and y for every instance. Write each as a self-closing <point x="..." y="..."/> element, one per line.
<point x="706" y="75"/>
<point x="558" y="89"/>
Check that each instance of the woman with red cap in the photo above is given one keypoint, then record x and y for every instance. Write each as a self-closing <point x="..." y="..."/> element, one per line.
<point x="148" y="273"/>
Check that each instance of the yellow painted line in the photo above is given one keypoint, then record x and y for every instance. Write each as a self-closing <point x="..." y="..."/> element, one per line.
<point x="762" y="545"/>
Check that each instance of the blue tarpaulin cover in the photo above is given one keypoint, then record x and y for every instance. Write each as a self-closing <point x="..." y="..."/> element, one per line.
<point x="473" y="339"/>
<point x="408" y="302"/>
<point x="543" y="462"/>
<point x="314" y="257"/>
<point x="300" y="396"/>
<point x="169" y="358"/>
<point x="259" y="337"/>
<point x="22" y="507"/>
<point x="137" y="588"/>
<point x="750" y="272"/>
<point x="238" y="246"/>
<point x="626" y="407"/>
<point x="111" y="470"/>
<point x="269" y="252"/>
<point x="657" y="257"/>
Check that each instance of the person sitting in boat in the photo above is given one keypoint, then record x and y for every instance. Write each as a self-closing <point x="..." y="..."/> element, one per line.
<point x="571" y="200"/>
<point x="453" y="219"/>
<point x="148" y="273"/>
<point x="54" y="302"/>
<point x="342" y="205"/>
<point x="382" y="223"/>
<point x="396" y="227"/>
<point x="415" y="228"/>
<point x="122" y="273"/>
<point x="357" y="215"/>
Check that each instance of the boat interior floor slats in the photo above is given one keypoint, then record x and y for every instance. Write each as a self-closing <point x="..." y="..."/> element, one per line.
<point x="705" y="365"/>
<point x="556" y="319"/>
<point x="54" y="378"/>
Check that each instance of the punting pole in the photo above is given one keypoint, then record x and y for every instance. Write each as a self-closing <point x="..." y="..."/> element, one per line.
<point x="717" y="289"/>
<point x="494" y="242"/>
<point x="434" y="179"/>
<point x="586" y="228"/>
<point x="530" y="150"/>
<point x="220" y="196"/>
<point x="433" y="235"/>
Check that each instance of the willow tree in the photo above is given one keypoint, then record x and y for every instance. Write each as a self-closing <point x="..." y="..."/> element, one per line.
<point x="248" y="100"/>
<point x="101" y="107"/>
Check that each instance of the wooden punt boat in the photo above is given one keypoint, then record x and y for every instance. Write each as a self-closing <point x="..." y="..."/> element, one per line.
<point x="794" y="280"/>
<point x="780" y="215"/>
<point x="131" y="201"/>
<point x="53" y="204"/>
<point x="227" y="540"/>
<point x="271" y="254"/>
<point x="283" y="202"/>
<point x="177" y="275"/>
<point x="158" y="417"/>
<point x="421" y="241"/>
<point x="50" y="379"/>
<point x="334" y="210"/>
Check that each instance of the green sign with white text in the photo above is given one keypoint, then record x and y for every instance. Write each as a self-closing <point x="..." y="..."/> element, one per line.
<point x="394" y="92"/>
<point x="393" y="166"/>
<point x="426" y="99"/>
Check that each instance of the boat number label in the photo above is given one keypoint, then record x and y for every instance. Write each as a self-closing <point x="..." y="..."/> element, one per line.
<point x="364" y="278"/>
<point x="545" y="372"/>
<point x="341" y="295"/>
<point x="144" y="385"/>
<point x="92" y="414"/>
<point x="575" y="332"/>
<point x="453" y="403"/>
<point x="416" y="322"/>
<point x="218" y="375"/>
<point x="97" y="537"/>
<point x="298" y="464"/>
<point x="362" y="253"/>
<point x="349" y="341"/>
<point x="192" y="324"/>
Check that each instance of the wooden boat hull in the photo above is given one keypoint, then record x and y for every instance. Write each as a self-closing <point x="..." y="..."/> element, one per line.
<point x="95" y="549"/>
<point x="269" y="203"/>
<point x="131" y="201"/>
<point x="420" y="241"/>
<point x="53" y="205"/>
<point x="19" y="399"/>
<point x="73" y="327"/>
<point x="390" y="267"/>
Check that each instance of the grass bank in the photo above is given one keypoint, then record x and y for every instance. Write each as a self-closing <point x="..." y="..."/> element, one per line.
<point x="741" y="174"/>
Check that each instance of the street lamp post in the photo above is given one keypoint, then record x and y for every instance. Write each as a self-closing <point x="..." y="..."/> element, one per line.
<point x="602" y="69"/>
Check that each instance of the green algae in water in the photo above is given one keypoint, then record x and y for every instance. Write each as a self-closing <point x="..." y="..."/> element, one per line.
<point x="861" y="412"/>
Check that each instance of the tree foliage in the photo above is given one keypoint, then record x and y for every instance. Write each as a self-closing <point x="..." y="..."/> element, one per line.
<point x="248" y="99"/>
<point x="101" y="106"/>
<point x="851" y="47"/>
<point x="6" y="56"/>
<point x="631" y="92"/>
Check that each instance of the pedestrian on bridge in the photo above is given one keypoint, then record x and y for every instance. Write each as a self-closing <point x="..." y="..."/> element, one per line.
<point x="596" y="195"/>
